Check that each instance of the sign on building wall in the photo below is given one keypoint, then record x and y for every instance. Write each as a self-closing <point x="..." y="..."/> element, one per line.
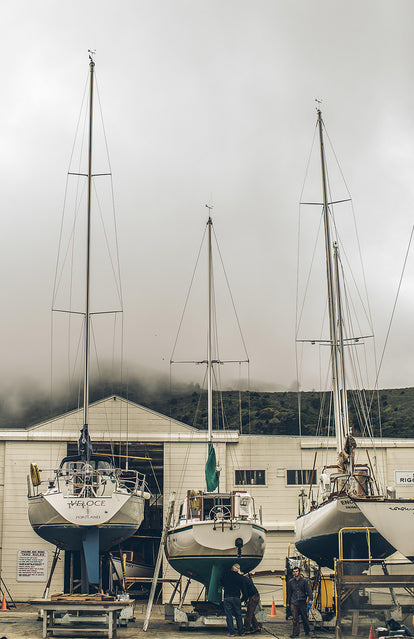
<point x="32" y="565"/>
<point x="404" y="477"/>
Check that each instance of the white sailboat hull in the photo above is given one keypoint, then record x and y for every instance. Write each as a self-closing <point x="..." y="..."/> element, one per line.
<point x="394" y="519"/>
<point x="316" y="533"/>
<point x="202" y="550"/>
<point x="214" y="538"/>
<point x="62" y="520"/>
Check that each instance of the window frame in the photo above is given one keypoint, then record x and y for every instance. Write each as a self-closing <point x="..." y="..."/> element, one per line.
<point x="306" y="473"/>
<point x="250" y="470"/>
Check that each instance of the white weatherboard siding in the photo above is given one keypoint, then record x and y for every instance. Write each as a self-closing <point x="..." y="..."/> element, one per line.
<point x="184" y="470"/>
<point x="2" y="464"/>
<point x="17" y="532"/>
<point x="185" y="450"/>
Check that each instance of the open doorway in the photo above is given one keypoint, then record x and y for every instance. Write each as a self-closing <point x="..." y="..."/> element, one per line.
<point x="139" y="551"/>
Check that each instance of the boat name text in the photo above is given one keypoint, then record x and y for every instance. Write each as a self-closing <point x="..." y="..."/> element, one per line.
<point x="85" y="503"/>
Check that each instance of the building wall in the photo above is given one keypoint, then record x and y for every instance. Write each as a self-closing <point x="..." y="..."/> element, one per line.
<point x="2" y="469"/>
<point x="17" y="532"/>
<point x="277" y="499"/>
<point x="185" y="454"/>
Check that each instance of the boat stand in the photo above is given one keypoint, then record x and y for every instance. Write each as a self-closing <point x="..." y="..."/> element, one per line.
<point x="347" y="584"/>
<point x="3" y="591"/>
<point x="202" y="613"/>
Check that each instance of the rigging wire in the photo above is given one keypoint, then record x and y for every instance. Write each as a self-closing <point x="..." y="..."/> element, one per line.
<point x="365" y="303"/>
<point x="355" y="228"/>
<point x="188" y="295"/>
<point x="231" y="295"/>
<point x="66" y="255"/>
<point x="360" y="401"/>
<point x="220" y="415"/>
<point x="393" y="308"/>
<point x="81" y="111"/>
<point x="297" y="318"/>
<point x="117" y="278"/>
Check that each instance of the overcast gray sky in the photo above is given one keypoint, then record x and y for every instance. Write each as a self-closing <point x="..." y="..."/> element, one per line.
<point x="207" y="102"/>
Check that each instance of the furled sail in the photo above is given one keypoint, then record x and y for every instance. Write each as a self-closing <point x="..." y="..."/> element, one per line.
<point x="212" y="475"/>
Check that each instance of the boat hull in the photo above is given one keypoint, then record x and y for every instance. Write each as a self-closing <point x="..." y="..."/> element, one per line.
<point x="316" y="534"/>
<point x="65" y="521"/>
<point x="132" y="569"/>
<point x="204" y="550"/>
<point x="394" y="519"/>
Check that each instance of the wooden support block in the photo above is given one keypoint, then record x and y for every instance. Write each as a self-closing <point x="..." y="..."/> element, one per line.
<point x="355" y="621"/>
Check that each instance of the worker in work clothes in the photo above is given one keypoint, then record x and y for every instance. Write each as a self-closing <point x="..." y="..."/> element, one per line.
<point x="252" y="598"/>
<point x="233" y="584"/>
<point x="298" y="592"/>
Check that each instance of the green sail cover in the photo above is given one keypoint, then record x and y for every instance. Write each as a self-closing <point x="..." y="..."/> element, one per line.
<point x="212" y="477"/>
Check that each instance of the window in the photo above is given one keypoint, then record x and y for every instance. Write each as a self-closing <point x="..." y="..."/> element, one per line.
<point x="299" y="477"/>
<point x="250" y="477"/>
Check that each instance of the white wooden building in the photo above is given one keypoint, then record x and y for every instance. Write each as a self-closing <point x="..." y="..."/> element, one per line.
<point x="270" y="465"/>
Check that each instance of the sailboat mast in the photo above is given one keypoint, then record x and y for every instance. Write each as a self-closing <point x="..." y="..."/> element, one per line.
<point x="209" y="337"/>
<point x="88" y="260"/>
<point x="331" y="296"/>
<point x="343" y="393"/>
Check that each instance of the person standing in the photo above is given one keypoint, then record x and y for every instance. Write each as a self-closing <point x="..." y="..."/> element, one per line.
<point x="298" y="592"/>
<point x="252" y="598"/>
<point x="233" y="585"/>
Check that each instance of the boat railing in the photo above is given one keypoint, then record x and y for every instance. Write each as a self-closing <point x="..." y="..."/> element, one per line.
<point x="80" y="479"/>
<point x="132" y="480"/>
<point x="229" y="507"/>
<point x="358" y="483"/>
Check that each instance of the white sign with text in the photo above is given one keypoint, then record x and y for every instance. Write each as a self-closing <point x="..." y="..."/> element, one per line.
<point x="404" y="477"/>
<point x="32" y="565"/>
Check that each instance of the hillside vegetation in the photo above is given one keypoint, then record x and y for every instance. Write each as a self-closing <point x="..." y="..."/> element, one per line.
<point x="278" y="413"/>
<point x="271" y="413"/>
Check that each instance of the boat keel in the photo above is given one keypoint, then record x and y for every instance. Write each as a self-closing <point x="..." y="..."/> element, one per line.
<point x="90" y="544"/>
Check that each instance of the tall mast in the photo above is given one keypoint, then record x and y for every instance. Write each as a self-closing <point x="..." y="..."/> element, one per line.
<point x="86" y="444"/>
<point x="332" y="306"/>
<point x="209" y="337"/>
<point x="343" y="395"/>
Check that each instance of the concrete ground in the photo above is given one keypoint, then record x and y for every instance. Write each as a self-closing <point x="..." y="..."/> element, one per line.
<point x="22" y="623"/>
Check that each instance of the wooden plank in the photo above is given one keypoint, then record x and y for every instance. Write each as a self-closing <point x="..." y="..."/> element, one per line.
<point x="355" y="620"/>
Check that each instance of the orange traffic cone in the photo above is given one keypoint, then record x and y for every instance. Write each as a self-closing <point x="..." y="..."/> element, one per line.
<point x="371" y="633"/>
<point x="3" y="603"/>
<point x="273" y="612"/>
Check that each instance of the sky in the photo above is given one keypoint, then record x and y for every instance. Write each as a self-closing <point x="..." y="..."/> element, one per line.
<point x="207" y="103"/>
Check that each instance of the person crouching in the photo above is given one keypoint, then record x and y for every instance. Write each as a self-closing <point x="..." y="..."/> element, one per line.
<point x="252" y="599"/>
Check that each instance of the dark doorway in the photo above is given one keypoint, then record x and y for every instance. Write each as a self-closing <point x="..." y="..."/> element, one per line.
<point x="142" y="548"/>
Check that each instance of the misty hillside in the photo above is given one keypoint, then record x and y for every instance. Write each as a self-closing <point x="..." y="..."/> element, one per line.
<point x="251" y="412"/>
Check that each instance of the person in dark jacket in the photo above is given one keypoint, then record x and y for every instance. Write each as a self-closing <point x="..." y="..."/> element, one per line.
<point x="252" y="598"/>
<point x="395" y="625"/>
<point x="233" y="585"/>
<point x="298" y="591"/>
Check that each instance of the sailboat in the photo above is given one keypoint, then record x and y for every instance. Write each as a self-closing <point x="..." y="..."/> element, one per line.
<point x="214" y="530"/>
<point x="87" y="504"/>
<point x="393" y="518"/>
<point x="320" y="520"/>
